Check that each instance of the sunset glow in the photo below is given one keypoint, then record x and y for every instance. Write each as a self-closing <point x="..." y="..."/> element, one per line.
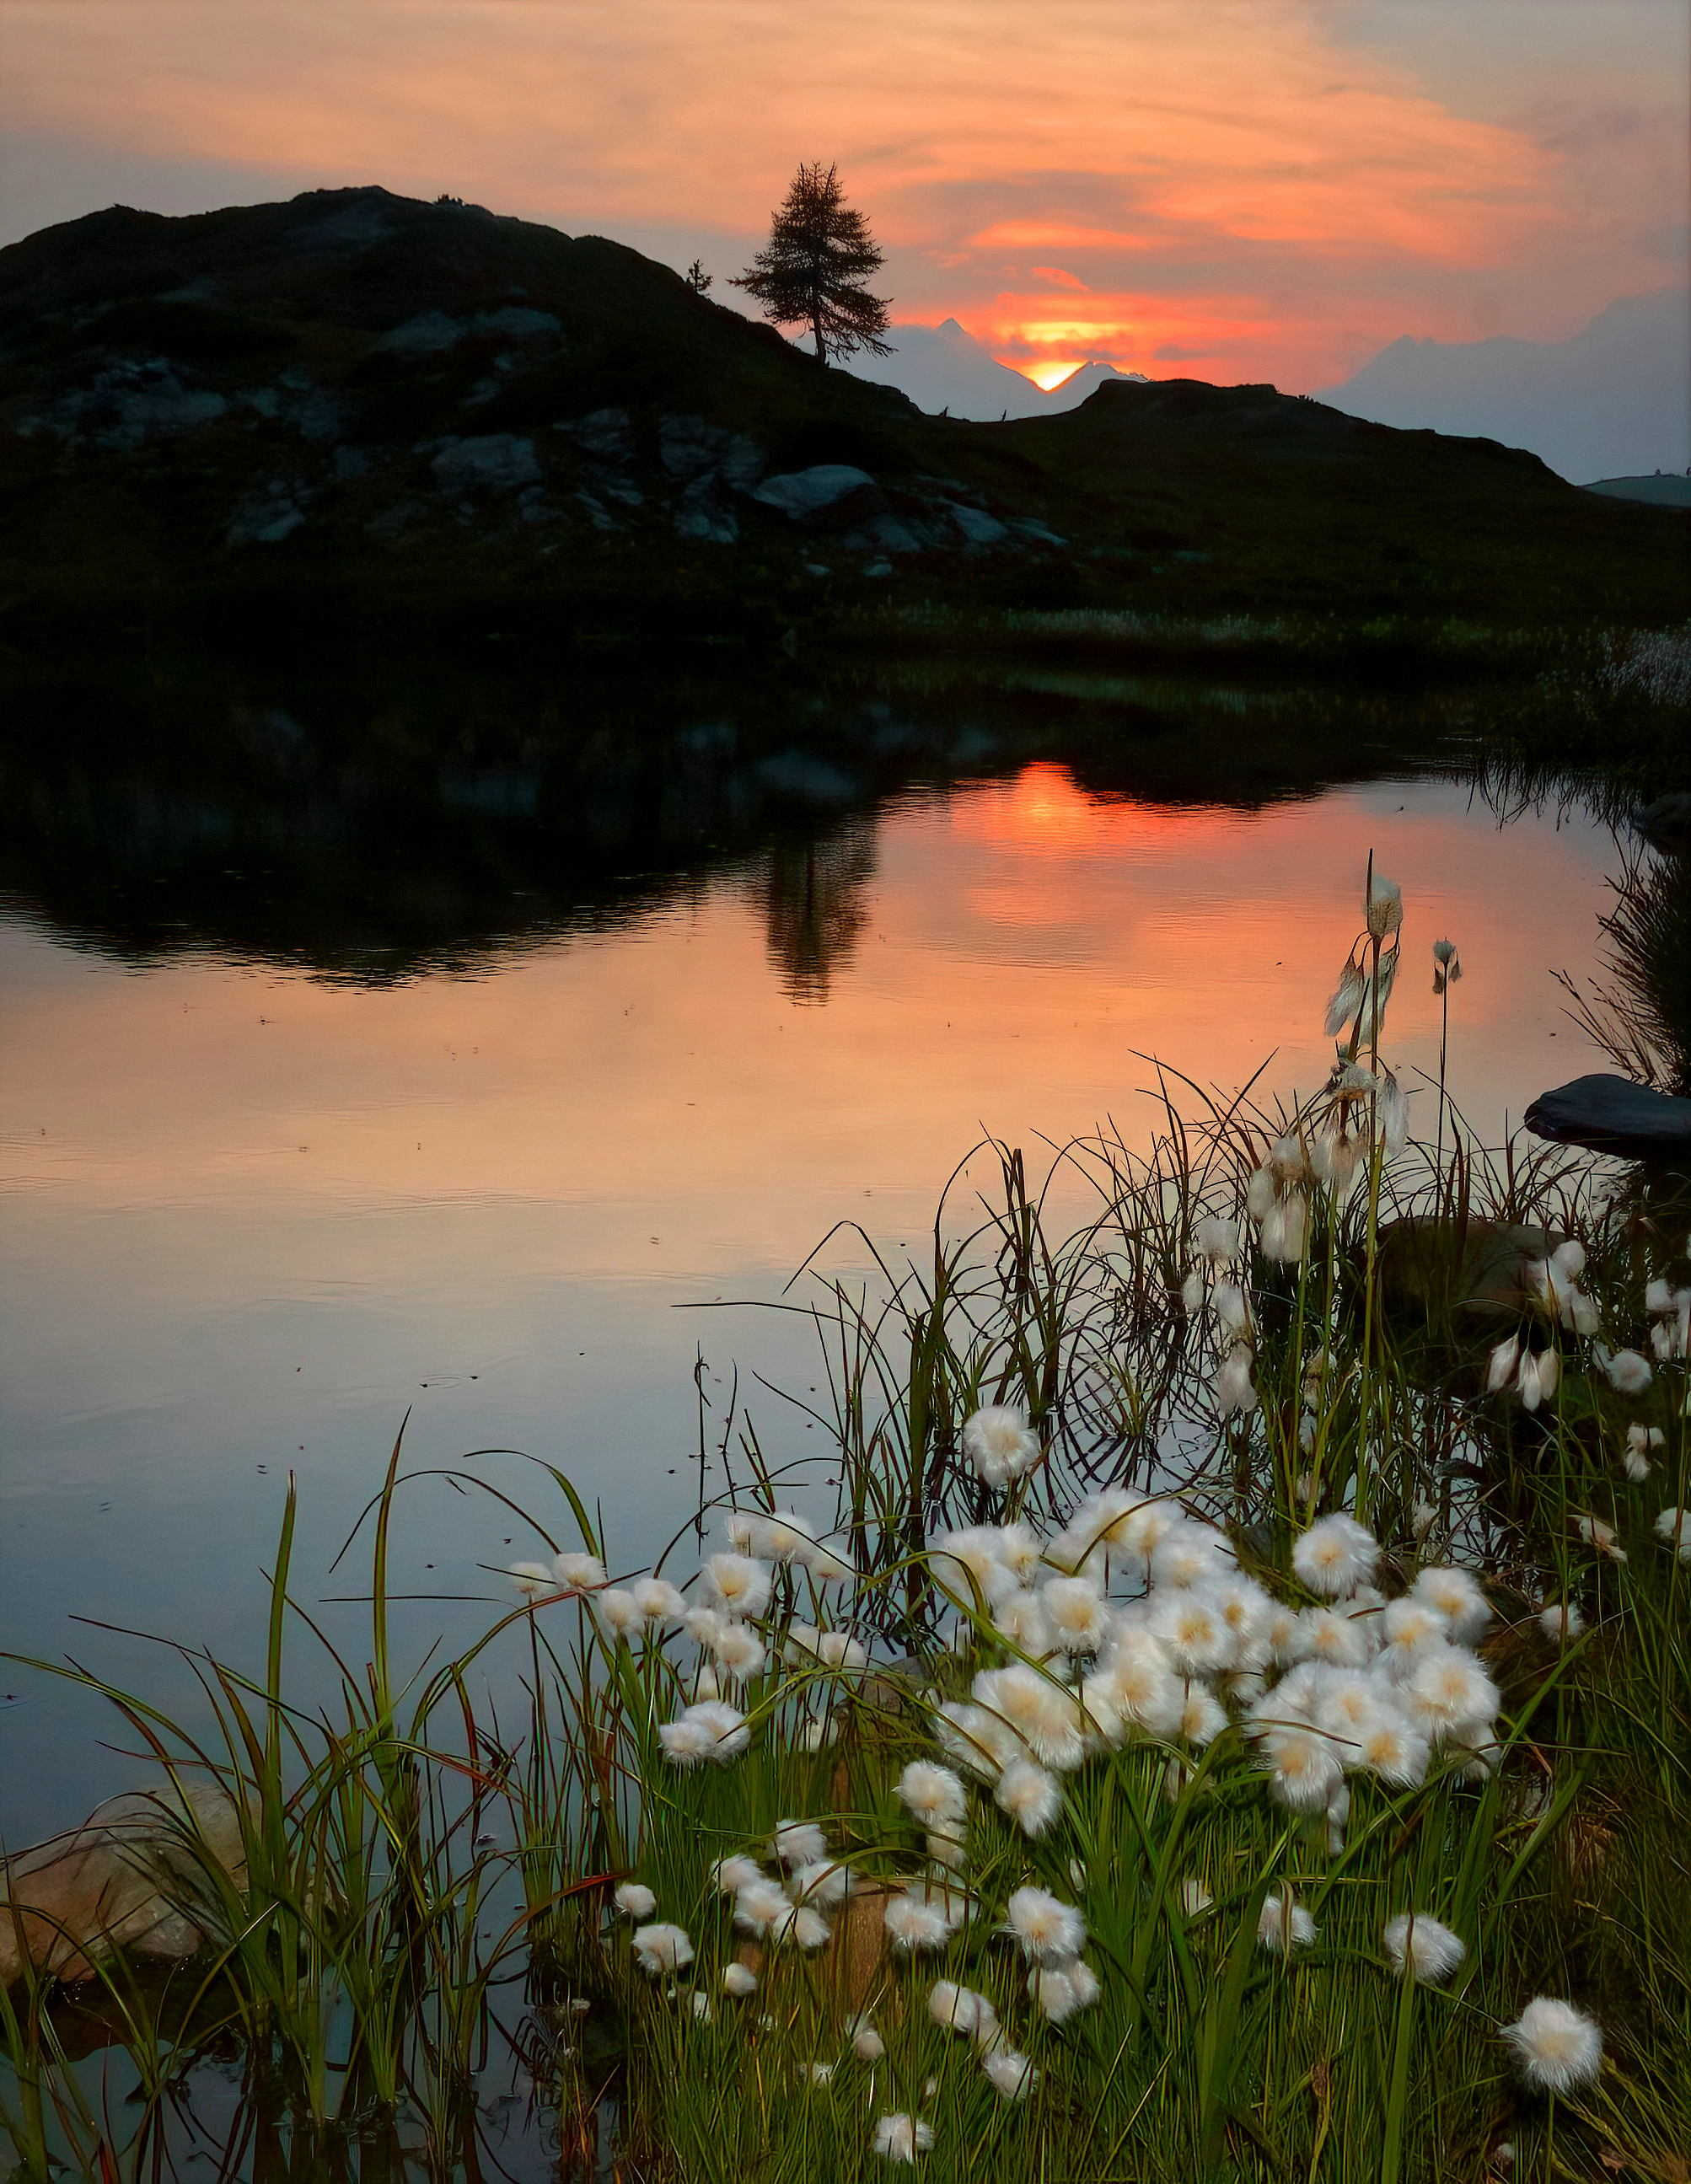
<point x="1233" y="190"/>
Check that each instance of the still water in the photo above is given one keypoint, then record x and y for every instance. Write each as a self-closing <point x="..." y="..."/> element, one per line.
<point x="264" y="1198"/>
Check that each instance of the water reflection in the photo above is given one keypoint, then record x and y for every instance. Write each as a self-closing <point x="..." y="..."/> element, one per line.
<point x="375" y="1048"/>
<point x="814" y="897"/>
<point x="375" y="819"/>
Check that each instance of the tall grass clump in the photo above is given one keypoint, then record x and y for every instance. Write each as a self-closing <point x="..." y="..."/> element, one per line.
<point x="1230" y="1721"/>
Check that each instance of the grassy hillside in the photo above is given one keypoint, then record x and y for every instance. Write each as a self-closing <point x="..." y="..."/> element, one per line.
<point x="405" y="415"/>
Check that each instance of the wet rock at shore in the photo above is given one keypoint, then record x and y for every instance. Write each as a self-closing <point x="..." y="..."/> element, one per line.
<point x="1612" y="1114"/>
<point x="119" y="1881"/>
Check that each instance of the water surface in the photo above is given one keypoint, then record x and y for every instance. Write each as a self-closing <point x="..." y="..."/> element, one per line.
<point x="276" y="1175"/>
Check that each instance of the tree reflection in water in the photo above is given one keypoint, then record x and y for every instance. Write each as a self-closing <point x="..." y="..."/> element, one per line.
<point x="812" y="896"/>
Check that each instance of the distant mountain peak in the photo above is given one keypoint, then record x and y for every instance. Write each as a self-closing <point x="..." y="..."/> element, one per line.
<point x="1609" y="402"/>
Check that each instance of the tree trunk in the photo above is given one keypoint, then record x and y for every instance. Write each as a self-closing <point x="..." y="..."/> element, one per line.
<point x="816" y="328"/>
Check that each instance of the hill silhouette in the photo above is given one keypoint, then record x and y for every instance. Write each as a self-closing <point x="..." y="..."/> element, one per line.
<point x="397" y="414"/>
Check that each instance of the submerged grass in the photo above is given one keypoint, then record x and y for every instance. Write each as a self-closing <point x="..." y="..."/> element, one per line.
<point x="1084" y="1899"/>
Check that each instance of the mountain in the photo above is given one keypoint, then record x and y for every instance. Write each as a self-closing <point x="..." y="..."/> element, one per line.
<point x="1612" y="401"/>
<point x="1085" y="381"/>
<point x="943" y="369"/>
<point x="357" y="411"/>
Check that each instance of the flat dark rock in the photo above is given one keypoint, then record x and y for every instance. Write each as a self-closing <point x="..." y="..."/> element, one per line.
<point x="1613" y="1115"/>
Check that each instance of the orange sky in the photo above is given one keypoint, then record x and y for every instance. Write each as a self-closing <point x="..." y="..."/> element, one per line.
<point x="1229" y="188"/>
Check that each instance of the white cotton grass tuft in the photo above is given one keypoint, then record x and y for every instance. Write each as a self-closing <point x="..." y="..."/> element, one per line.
<point x="1391" y="1747"/>
<point x="534" y="1580"/>
<point x="1021" y="1617"/>
<point x="1597" y="1533"/>
<point x="1284" y="1229"/>
<point x="1029" y="1796"/>
<point x="1203" y="1716"/>
<point x="1450" y="1693"/>
<point x="738" y="1649"/>
<point x="635" y="1900"/>
<point x="968" y="1561"/>
<point x="1193" y="1555"/>
<point x="1409" y="1630"/>
<point x="1075" y="1611"/>
<point x="1232" y="1389"/>
<point x="1422" y="1949"/>
<point x="822" y="1885"/>
<point x="1217" y="1239"/>
<point x="1010" y="2073"/>
<point x="916" y="1923"/>
<point x="1561" y="1622"/>
<point x="1000" y="1444"/>
<point x="961" y="2009"/>
<point x="759" y="1905"/>
<point x="662" y="1948"/>
<point x="1503" y="1365"/>
<point x="710" y="1729"/>
<point x="1643" y="1442"/>
<point x="1558" y="2048"/>
<point x="1336" y="1640"/>
<point x="1673" y="1529"/>
<point x="617" y="1611"/>
<point x="579" y="1573"/>
<point x="1059" y="1989"/>
<point x="1385" y="906"/>
<point x="1195" y="1898"/>
<point x="1347" y="997"/>
<point x="730" y="1875"/>
<point x="740" y="1981"/>
<point x="1284" y="1926"/>
<point x="934" y="1796"/>
<point x="902" y="2137"/>
<point x="1045" y="1718"/>
<point x="867" y="2044"/>
<point x="805" y="1928"/>
<point x="658" y="1600"/>
<point x="1044" y="1929"/>
<point x="686" y="1741"/>
<point x="1456" y="1595"/>
<point x="1628" y="1372"/>
<point x="1193" y="1633"/>
<point x="1335" y="1555"/>
<point x="736" y="1585"/>
<point x="1304" y="1768"/>
<point x="799" y="1842"/>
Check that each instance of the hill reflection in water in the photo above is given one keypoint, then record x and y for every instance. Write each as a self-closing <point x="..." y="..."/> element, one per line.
<point x="375" y="819"/>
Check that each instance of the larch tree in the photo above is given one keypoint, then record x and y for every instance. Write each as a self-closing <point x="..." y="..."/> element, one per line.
<point x="813" y="270"/>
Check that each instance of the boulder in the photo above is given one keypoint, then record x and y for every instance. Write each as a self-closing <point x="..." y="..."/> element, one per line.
<point x="1665" y="823"/>
<point x="126" y="1879"/>
<point x="801" y="493"/>
<point x="1613" y="1115"/>
<point x="497" y="462"/>
<point x="1498" y="1275"/>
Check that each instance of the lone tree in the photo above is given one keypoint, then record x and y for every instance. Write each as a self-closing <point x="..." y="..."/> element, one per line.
<point x="819" y="254"/>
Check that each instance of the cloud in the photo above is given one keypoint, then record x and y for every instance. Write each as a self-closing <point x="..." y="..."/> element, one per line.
<point x="1251" y="172"/>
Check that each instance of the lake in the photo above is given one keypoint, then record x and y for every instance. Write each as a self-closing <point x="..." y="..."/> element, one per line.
<point x="356" y="1072"/>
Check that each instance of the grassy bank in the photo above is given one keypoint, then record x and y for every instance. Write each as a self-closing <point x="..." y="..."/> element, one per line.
<point x="1229" y="1717"/>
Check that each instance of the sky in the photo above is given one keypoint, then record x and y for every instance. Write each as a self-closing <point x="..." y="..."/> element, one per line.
<point x="1231" y="189"/>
